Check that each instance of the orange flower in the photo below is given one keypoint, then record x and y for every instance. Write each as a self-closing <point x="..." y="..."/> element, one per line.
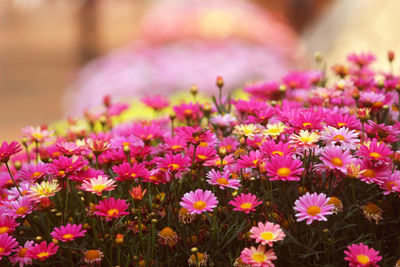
<point x="137" y="193"/>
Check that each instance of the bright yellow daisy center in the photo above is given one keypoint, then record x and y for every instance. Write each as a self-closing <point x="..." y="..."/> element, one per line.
<point x="337" y="162"/>
<point x="246" y="205"/>
<point x="375" y="155"/>
<point x="280" y="153"/>
<point x="258" y="257"/>
<point x="267" y="236"/>
<point x="43" y="254"/>
<point x="363" y="259"/>
<point x="99" y="187"/>
<point x="202" y="157"/>
<point x="92" y="254"/>
<point x="305" y="124"/>
<point x="173" y="166"/>
<point x="222" y="181"/>
<point x="369" y="173"/>
<point x="36" y="175"/>
<point x="340" y="124"/>
<point x="313" y="210"/>
<point x="68" y="236"/>
<point x="283" y="171"/>
<point x="21" y="210"/>
<point x="339" y="137"/>
<point x="199" y="205"/>
<point x="4" y="229"/>
<point x="112" y="212"/>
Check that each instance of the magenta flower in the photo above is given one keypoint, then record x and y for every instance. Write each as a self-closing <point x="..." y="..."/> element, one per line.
<point x="32" y="172"/>
<point x="64" y="166"/>
<point x="126" y="172"/>
<point x="343" y="137"/>
<point x="20" y="255"/>
<point x="253" y="160"/>
<point x="174" y="163"/>
<point x="68" y="233"/>
<point x="339" y="120"/>
<point x="222" y="179"/>
<point x="361" y="256"/>
<point x="98" y="185"/>
<point x="375" y="151"/>
<point x="7" y="245"/>
<point x="199" y="201"/>
<point x="157" y="102"/>
<point x="270" y="148"/>
<point x="312" y="207"/>
<point x="335" y="158"/>
<point x="8" y="149"/>
<point x="7" y="224"/>
<point x="284" y="168"/>
<point x="245" y="202"/>
<point x="42" y="251"/>
<point x="188" y="112"/>
<point x="111" y="208"/>
<point x="361" y="59"/>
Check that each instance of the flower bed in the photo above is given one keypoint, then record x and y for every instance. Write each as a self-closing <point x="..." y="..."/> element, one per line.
<point x="303" y="173"/>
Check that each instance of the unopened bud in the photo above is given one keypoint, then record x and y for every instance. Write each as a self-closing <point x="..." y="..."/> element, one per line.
<point x="194" y="89"/>
<point x="220" y="82"/>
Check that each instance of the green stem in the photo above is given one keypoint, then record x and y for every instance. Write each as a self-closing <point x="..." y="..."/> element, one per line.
<point x="9" y="171"/>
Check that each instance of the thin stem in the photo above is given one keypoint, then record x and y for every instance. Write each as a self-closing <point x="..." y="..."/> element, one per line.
<point x="9" y="171"/>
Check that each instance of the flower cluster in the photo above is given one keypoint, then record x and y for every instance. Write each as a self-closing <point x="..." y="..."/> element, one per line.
<point x="304" y="172"/>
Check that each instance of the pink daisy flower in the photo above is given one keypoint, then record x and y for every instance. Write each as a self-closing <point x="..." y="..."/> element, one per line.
<point x="339" y="120"/>
<point x="64" y="166"/>
<point x="361" y="59"/>
<point x="68" y="233"/>
<point x="86" y="174"/>
<point x="343" y="137"/>
<point x="312" y="207"/>
<point x="156" y="102"/>
<point x="267" y="233"/>
<point x="252" y="160"/>
<point x="284" y="168"/>
<point x="98" y="185"/>
<point x="245" y="202"/>
<point x="271" y="148"/>
<point x="32" y="172"/>
<point x="174" y="163"/>
<point x="36" y="134"/>
<point x="20" y="207"/>
<point x="373" y="173"/>
<point x="195" y="135"/>
<point x="199" y="201"/>
<point x="111" y="208"/>
<point x="335" y="158"/>
<point x="7" y="224"/>
<point x="71" y="148"/>
<point x="7" y="245"/>
<point x="20" y="256"/>
<point x="375" y="151"/>
<point x="361" y="256"/>
<point x="391" y="184"/>
<point x="258" y="257"/>
<point x="189" y="111"/>
<point x="218" y="162"/>
<point x="8" y="149"/>
<point x="202" y="153"/>
<point x="42" y="251"/>
<point x="126" y="172"/>
<point x="222" y="179"/>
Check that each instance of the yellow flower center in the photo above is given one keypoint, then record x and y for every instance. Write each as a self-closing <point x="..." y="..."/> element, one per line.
<point x="363" y="259"/>
<point x="36" y="175"/>
<point x="222" y="181"/>
<point x="113" y="212"/>
<point x="313" y="210"/>
<point x="369" y="173"/>
<point x="92" y="254"/>
<point x="246" y="205"/>
<point x="21" y="210"/>
<point x="341" y="124"/>
<point x="1" y="250"/>
<point x="43" y="254"/>
<point x="22" y="252"/>
<point x="255" y="161"/>
<point x="335" y="201"/>
<point x="337" y="162"/>
<point x="173" y="166"/>
<point x="339" y="137"/>
<point x="375" y="155"/>
<point x="280" y="153"/>
<point x="283" y="171"/>
<point x="305" y="124"/>
<point x="68" y="236"/>
<point x="267" y="236"/>
<point x="4" y="229"/>
<point x="259" y="257"/>
<point x="37" y="136"/>
<point x="202" y="157"/>
<point x="176" y="147"/>
<point x="199" y="205"/>
<point x="99" y="187"/>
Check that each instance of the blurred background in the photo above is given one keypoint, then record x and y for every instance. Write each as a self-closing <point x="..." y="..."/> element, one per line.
<point x="59" y="57"/>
